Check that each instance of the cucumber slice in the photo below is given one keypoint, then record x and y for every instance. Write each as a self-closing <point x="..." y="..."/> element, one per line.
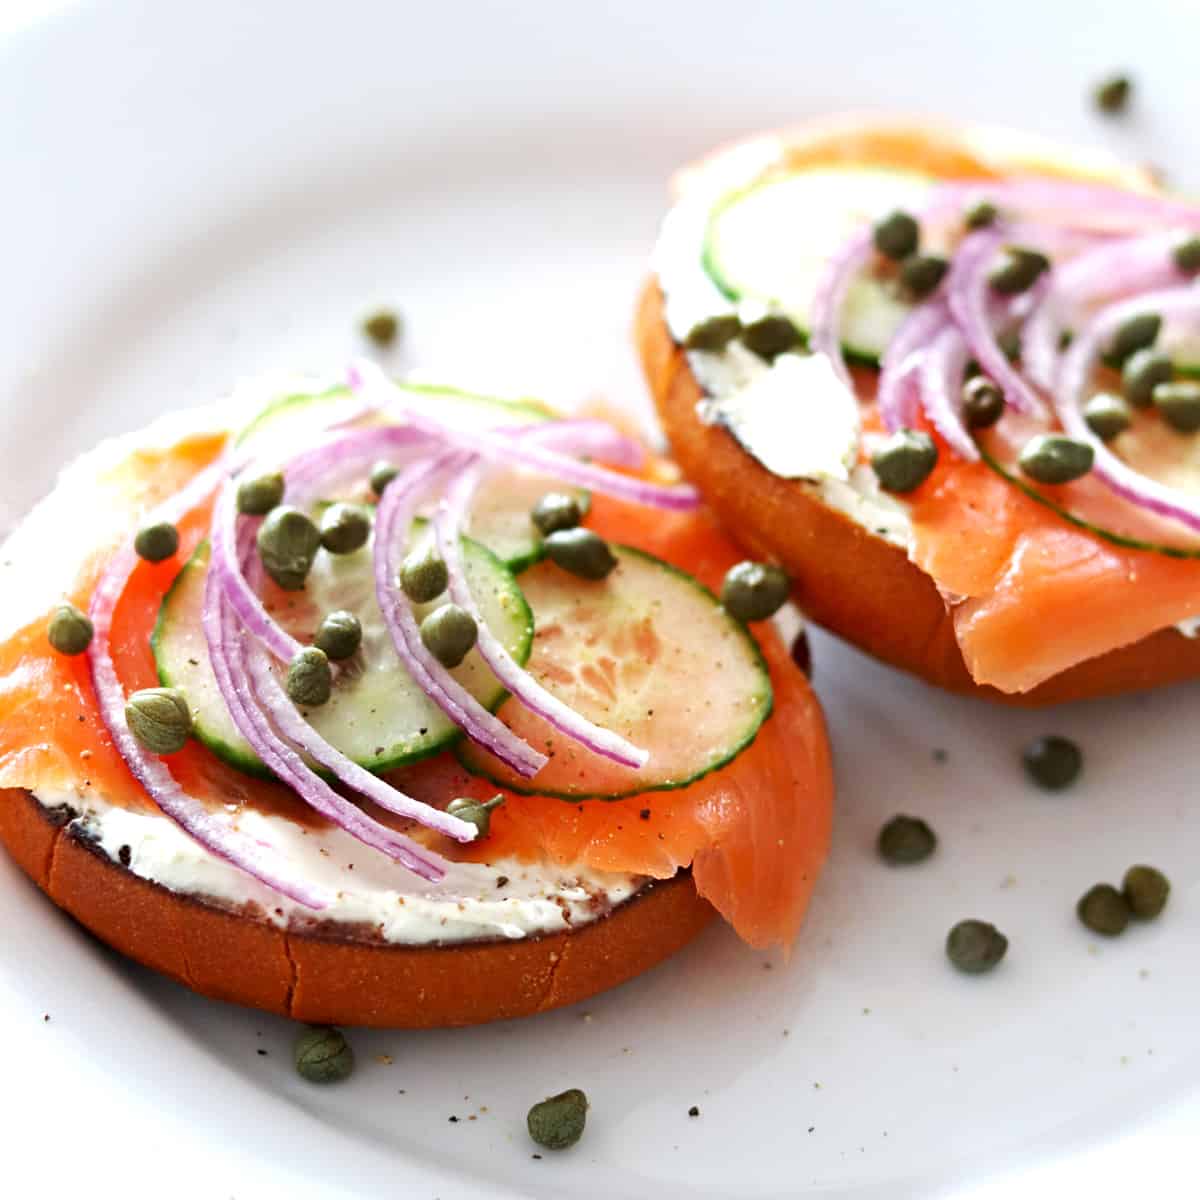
<point x="500" y="514"/>
<point x="649" y="653"/>
<point x="377" y="716"/>
<point x="1150" y="447"/>
<point x="770" y="243"/>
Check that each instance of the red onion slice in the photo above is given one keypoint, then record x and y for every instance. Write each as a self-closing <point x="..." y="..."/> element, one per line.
<point x="969" y="295"/>
<point x="1075" y="378"/>
<point x="366" y="378"/>
<point x="448" y="522"/>
<point x="210" y="830"/>
<point x="393" y="520"/>
<point x="829" y="298"/>
<point x="895" y="394"/>
<point x="942" y="370"/>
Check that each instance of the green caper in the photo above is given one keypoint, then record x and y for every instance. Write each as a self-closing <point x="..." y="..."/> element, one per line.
<point x="1107" y="415"/>
<point x="1053" y="762"/>
<point x="975" y="946"/>
<point x="896" y="235"/>
<point x="287" y="544"/>
<point x="256" y="497"/>
<point x="309" y="678"/>
<point x="555" y="511"/>
<point x="581" y="552"/>
<point x="1145" y="890"/>
<point x="1179" y="404"/>
<point x="158" y="542"/>
<point x="382" y="473"/>
<point x="980" y="215"/>
<point x="1186" y="255"/>
<point x="713" y="334"/>
<point x="1112" y="94"/>
<point x="905" y="460"/>
<point x="1133" y="334"/>
<point x="159" y="718"/>
<point x="906" y="840"/>
<point x="344" y="528"/>
<point x="1103" y="910"/>
<point x="1018" y="270"/>
<point x="478" y="812"/>
<point x="1144" y="370"/>
<point x="771" y="335"/>
<point x="920" y="274"/>
<point x="424" y="575"/>
<point x="1055" y="458"/>
<point x="449" y="632"/>
<point x="983" y="402"/>
<point x="69" y="630"/>
<point x="754" y="591"/>
<point x="557" y="1122"/>
<point x="381" y="327"/>
<point x="322" y="1055"/>
<point x="1010" y="344"/>
<point x="339" y="634"/>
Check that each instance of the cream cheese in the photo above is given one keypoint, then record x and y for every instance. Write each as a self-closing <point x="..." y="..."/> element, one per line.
<point x="91" y="507"/>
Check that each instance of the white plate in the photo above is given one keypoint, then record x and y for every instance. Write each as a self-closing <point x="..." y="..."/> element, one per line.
<point x="195" y="192"/>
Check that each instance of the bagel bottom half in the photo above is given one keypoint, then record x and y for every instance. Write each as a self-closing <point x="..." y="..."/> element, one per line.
<point x="331" y="979"/>
<point x="846" y="579"/>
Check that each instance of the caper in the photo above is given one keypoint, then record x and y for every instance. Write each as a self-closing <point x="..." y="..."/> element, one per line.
<point x="69" y="631"/>
<point x="322" y="1055"/>
<point x="1055" y="458"/>
<point x="980" y="215"/>
<point x="896" y="235"/>
<point x="449" y="632"/>
<point x="1144" y="370"/>
<point x="344" y="528"/>
<point x="424" y="575"/>
<point x="478" y="812"/>
<point x="156" y="543"/>
<point x="382" y="327"/>
<point x="1103" y="910"/>
<point x="382" y="473"/>
<point x="1133" y="334"/>
<point x="1107" y="415"/>
<point x="1053" y="762"/>
<point x="920" y="274"/>
<point x="257" y="496"/>
<point x="905" y="460"/>
<point x="983" y="402"/>
<point x="1179" y="404"/>
<point x="1186" y="255"/>
<point x="713" y="334"/>
<point x="1010" y="344"/>
<point x="1018" y="270"/>
<point x="753" y="591"/>
<point x="309" y="678"/>
<point x="1112" y="94"/>
<point x="771" y="335"/>
<point x="1145" y="890"/>
<point x="906" y="840"/>
<point x="339" y="634"/>
<point x="581" y="552"/>
<point x="159" y="718"/>
<point x="557" y="1122"/>
<point x="287" y="544"/>
<point x="975" y="946"/>
<point x="555" y="511"/>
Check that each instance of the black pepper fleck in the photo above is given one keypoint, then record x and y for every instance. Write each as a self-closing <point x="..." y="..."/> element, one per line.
<point x="693" y="1111"/>
<point x="262" y="1053"/>
<point x="644" y="814"/>
<point x="453" y="1120"/>
<point x="502" y="881"/>
<point x="125" y="856"/>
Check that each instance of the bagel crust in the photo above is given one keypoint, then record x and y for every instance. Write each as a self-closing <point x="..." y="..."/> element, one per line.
<point x="855" y="584"/>
<point x="330" y="977"/>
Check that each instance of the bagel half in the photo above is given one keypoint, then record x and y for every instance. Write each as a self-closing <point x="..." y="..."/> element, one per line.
<point x="858" y="585"/>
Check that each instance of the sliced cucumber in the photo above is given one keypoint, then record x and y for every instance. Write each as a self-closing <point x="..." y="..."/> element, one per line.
<point x="500" y="514"/>
<point x="771" y="242"/>
<point x="378" y="716"/>
<point x="649" y="653"/>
